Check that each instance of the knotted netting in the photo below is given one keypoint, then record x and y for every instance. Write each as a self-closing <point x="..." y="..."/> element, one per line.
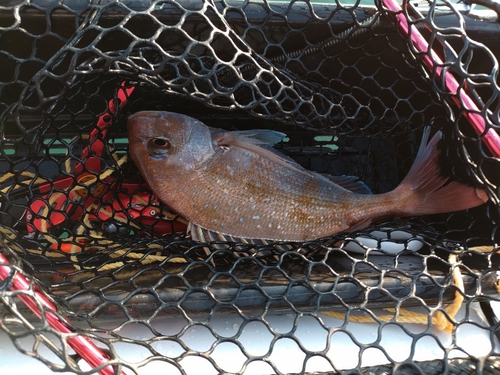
<point x="98" y="275"/>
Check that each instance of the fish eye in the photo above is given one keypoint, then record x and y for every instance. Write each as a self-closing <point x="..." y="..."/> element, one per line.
<point x="159" y="146"/>
<point x="160" y="143"/>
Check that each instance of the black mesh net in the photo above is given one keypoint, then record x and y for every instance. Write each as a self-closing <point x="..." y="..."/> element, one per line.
<point x="98" y="275"/>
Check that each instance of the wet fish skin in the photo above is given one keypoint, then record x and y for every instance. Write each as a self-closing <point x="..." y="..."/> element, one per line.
<point x="230" y="183"/>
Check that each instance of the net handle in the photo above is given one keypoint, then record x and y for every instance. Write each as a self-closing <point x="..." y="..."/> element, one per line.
<point x="92" y="154"/>
<point x="82" y="345"/>
<point x="462" y="100"/>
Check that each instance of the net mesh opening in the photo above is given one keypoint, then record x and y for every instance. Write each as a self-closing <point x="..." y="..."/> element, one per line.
<point x="97" y="275"/>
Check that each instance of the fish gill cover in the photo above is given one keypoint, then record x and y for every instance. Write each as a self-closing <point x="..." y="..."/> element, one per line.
<point x="97" y="274"/>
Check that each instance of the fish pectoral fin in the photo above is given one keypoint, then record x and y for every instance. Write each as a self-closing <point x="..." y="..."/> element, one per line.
<point x="235" y="139"/>
<point x="351" y="183"/>
<point x="259" y="136"/>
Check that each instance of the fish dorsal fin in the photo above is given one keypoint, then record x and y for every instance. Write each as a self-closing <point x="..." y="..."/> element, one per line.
<point x="350" y="183"/>
<point x="256" y="145"/>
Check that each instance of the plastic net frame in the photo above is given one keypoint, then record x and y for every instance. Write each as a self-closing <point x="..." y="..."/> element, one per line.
<point x="98" y="276"/>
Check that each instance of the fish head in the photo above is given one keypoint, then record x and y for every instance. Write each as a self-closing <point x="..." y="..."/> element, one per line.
<point x="166" y="142"/>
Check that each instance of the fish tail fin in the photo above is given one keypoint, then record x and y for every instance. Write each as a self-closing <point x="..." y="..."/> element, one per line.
<point x="424" y="191"/>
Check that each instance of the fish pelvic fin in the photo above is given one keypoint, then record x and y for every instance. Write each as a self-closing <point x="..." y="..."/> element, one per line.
<point x="424" y="191"/>
<point x="243" y="246"/>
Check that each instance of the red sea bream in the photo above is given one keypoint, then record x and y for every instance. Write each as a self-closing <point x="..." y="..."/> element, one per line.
<point x="234" y="184"/>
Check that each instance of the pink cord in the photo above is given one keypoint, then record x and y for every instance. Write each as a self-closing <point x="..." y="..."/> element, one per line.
<point x="478" y="123"/>
<point x="80" y="344"/>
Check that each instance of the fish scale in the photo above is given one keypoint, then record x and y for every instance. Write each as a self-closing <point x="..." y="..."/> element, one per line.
<point x="313" y="198"/>
<point x="231" y="183"/>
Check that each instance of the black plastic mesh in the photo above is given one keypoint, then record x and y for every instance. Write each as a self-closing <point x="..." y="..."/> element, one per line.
<point x="103" y="259"/>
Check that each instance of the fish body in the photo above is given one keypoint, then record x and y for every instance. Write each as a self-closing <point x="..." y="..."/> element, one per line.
<point x="232" y="183"/>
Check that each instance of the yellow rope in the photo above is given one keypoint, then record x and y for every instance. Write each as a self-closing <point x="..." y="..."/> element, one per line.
<point x="82" y="187"/>
<point x="488" y="249"/>
<point x="439" y="319"/>
<point x="405" y="316"/>
<point x="485" y="249"/>
<point x="148" y="259"/>
<point x="8" y="233"/>
<point x="77" y="192"/>
<point x="20" y="184"/>
<point x="67" y="165"/>
<point x="6" y="176"/>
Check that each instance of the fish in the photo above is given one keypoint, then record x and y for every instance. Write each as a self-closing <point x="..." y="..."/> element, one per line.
<point x="232" y="185"/>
